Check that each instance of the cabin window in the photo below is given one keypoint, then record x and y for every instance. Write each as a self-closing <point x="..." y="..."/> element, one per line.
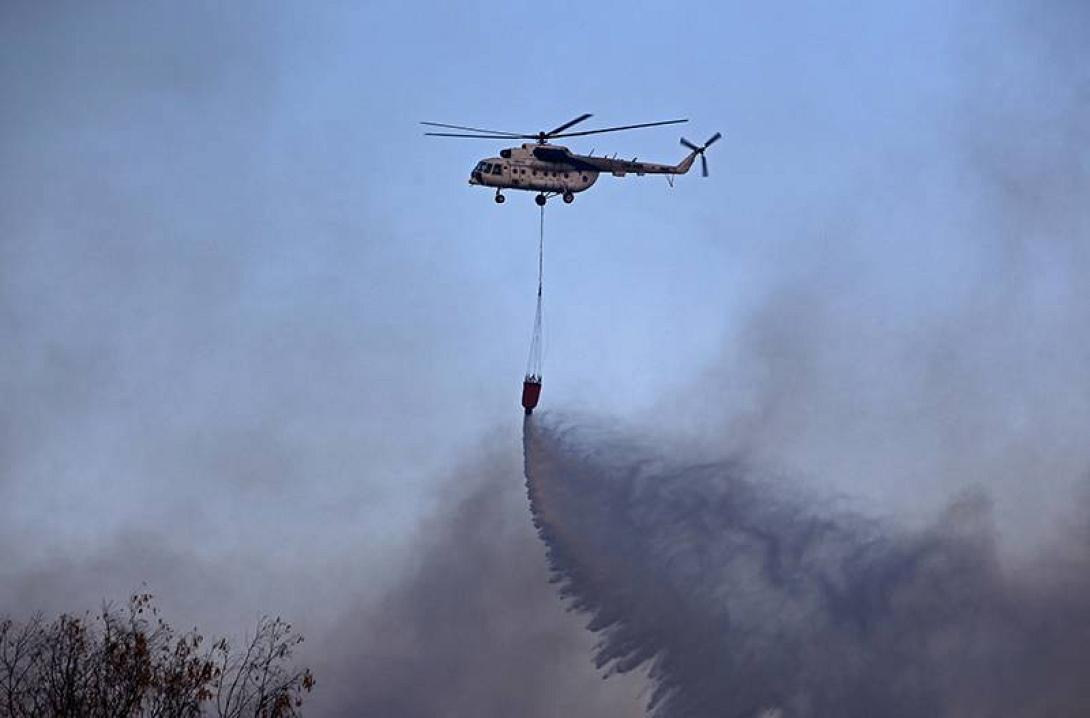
<point x="565" y="175"/>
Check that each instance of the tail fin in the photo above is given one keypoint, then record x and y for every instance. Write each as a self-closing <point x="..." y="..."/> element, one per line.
<point x="684" y="166"/>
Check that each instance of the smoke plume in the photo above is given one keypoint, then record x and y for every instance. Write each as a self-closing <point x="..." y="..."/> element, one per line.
<point x="744" y="596"/>
<point x="473" y="627"/>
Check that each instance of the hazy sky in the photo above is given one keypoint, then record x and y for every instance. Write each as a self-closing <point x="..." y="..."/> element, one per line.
<point x="254" y="325"/>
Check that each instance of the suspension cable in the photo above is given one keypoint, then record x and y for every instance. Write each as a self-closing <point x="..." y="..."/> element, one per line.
<point x="533" y="364"/>
<point x="540" y="251"/>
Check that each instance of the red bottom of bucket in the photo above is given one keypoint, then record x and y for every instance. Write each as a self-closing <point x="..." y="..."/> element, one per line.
<point x="531" y="392"/>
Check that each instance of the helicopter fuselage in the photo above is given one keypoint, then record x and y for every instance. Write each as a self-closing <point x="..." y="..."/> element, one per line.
<point x="547" y="169"/>
<point x="551" y="169"/>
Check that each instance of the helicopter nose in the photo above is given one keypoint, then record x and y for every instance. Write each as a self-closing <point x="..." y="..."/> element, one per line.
<point x="475" y="178"/>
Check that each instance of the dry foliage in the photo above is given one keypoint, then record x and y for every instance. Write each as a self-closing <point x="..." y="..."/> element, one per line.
<point x="130" y="663"/>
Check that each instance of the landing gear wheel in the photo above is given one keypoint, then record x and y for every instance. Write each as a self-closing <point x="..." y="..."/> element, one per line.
<point x="569" y="198"/>
<point x="540" y="199"/>
<point x="500" y="199"/>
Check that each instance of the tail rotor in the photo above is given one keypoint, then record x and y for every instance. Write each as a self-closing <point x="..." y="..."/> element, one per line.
<point x="700" y="150"/>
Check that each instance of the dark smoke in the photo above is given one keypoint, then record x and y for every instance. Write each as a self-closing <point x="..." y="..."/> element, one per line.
<point x="473" y="627"/>
<point x="743" y="594"/>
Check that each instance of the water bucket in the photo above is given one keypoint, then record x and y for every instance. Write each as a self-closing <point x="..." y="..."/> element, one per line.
<point x="531" y="392"/>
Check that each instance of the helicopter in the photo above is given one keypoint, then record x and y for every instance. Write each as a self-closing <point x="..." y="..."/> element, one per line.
<point x="552" y="170"/>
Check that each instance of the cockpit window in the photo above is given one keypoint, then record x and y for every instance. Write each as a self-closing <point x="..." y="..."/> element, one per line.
<point x="486" y="167"/>
<point x="497" y="169"/>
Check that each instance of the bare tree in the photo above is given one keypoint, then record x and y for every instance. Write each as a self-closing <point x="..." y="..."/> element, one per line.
<point x="130" y="663"/>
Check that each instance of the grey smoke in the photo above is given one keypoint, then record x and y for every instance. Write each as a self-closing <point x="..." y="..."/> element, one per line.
<point x="743" y="593"/>
<point x="474" y="627"/>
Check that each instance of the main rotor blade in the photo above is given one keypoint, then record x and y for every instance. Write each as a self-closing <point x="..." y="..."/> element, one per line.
<point x="471" y="129"/>
<point x="566" y="125"/>
<point x="617" y="129"/>
<point x="481" y="137"/>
